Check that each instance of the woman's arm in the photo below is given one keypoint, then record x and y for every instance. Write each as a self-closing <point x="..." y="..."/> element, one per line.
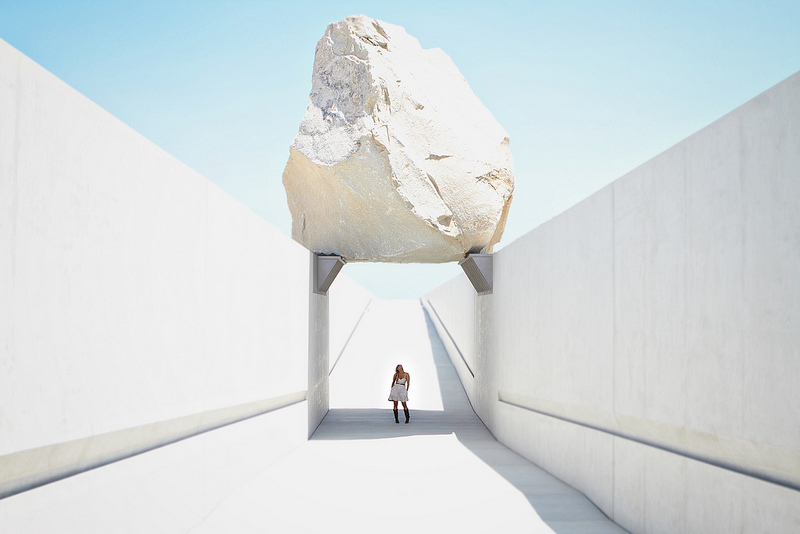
<point x="408" y="381"/>
<point x="394" y="379"/>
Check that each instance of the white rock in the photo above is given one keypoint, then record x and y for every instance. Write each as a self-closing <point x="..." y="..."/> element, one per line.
<point x="396" y="159"/>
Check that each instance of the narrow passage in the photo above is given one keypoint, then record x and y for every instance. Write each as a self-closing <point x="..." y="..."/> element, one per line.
<point x="442" y="472"/>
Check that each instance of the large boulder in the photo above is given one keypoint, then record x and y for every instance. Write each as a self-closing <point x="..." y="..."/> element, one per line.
<point x="396" y="159"/>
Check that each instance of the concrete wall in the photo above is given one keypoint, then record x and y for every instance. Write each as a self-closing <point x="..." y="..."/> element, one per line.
<point x="644" y="346"/>
<point x="453" y="314"/>
<point x="348" y="303"/>
<point x="332" y="319"/>
<point x="139" y="304"/>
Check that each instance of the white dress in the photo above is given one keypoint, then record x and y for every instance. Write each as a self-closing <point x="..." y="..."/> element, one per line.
<point x="399" y="391"/>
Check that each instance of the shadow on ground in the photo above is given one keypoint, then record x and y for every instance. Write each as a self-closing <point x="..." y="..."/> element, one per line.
<point x="564" y="509"/>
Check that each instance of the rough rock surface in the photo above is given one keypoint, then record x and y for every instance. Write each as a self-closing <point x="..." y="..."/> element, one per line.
<point x="396" y="159"/>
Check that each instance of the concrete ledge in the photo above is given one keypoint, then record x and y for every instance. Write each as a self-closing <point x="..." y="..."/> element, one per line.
<point x="325" y="269"/>
<point x="25" y="470"/>
<point x="776" y="465"/>
<point x="479" y="271"/>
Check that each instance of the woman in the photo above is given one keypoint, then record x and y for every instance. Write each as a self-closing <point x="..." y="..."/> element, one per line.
<point x="401" y="381"/>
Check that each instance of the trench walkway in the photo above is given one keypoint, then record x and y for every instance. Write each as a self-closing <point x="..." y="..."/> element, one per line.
<point x="360" y="472"/>
<point x="443" y="472"/>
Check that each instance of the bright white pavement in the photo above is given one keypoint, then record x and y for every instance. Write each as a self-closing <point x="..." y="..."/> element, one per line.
<point x="443" y="472"/>
<point x="360" y="472"/>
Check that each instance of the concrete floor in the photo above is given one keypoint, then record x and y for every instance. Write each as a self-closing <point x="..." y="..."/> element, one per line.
<point x="443" y="472"/>
<point x="360" y="472"/>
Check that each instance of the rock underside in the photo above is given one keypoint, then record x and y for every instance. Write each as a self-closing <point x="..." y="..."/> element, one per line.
<point x="396" y="159"/>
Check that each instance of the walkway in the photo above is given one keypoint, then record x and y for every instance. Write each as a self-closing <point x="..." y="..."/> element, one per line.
<point x="360" y="473"/>
<point x="443" y="472"/>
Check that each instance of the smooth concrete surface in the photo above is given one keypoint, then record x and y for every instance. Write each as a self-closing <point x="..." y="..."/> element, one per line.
<point x="442" y="472"/>
<point x="333" y="317"/>
<point x="31" y="468"/>
<point x="668" y="305"/>
<point x="360" y="472"/>
<point x="132" y="290"/>
<point x="137" y="300"/>
<point x="347" y="303"/>
<point x="166" y="490"/>
<point x="454" y="316"/>
<point x="318" y="356"/>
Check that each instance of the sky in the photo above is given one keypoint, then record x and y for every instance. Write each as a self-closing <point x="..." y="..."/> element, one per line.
<point x="587" y="90"/>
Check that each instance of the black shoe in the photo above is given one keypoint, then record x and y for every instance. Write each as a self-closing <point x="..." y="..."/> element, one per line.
<point x="396" y="420"/>
<point x="408" y="416"/>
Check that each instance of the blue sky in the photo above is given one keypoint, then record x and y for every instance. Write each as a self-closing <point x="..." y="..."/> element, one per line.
<point x="586" y="90"/>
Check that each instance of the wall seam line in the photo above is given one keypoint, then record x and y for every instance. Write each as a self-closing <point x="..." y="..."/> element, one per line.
<point x="613" y="341"/>
<point x="193" y="425"/>
<point x="760" y="474"/>
<point x="353" y="331"/>
<point x="439" y="319"/>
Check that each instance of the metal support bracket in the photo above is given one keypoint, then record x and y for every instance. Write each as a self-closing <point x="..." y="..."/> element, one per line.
<point x="478" y="268"/>
<point x="325" y="269"/>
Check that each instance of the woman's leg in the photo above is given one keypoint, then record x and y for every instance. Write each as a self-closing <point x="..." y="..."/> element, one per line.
<point x="396" y="420"/>
<point x="405" y="410"/>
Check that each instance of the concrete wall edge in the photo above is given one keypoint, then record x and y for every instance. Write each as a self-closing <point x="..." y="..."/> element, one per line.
<point x="465" y="372"/>
<point x="350" y="336"/>
<point x="26" y="470"/>
<point x="734" y="454"/>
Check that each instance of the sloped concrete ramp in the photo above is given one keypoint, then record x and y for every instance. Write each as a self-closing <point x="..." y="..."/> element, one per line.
<point x="443" y="472"/>
<point x="360" y="472"/>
